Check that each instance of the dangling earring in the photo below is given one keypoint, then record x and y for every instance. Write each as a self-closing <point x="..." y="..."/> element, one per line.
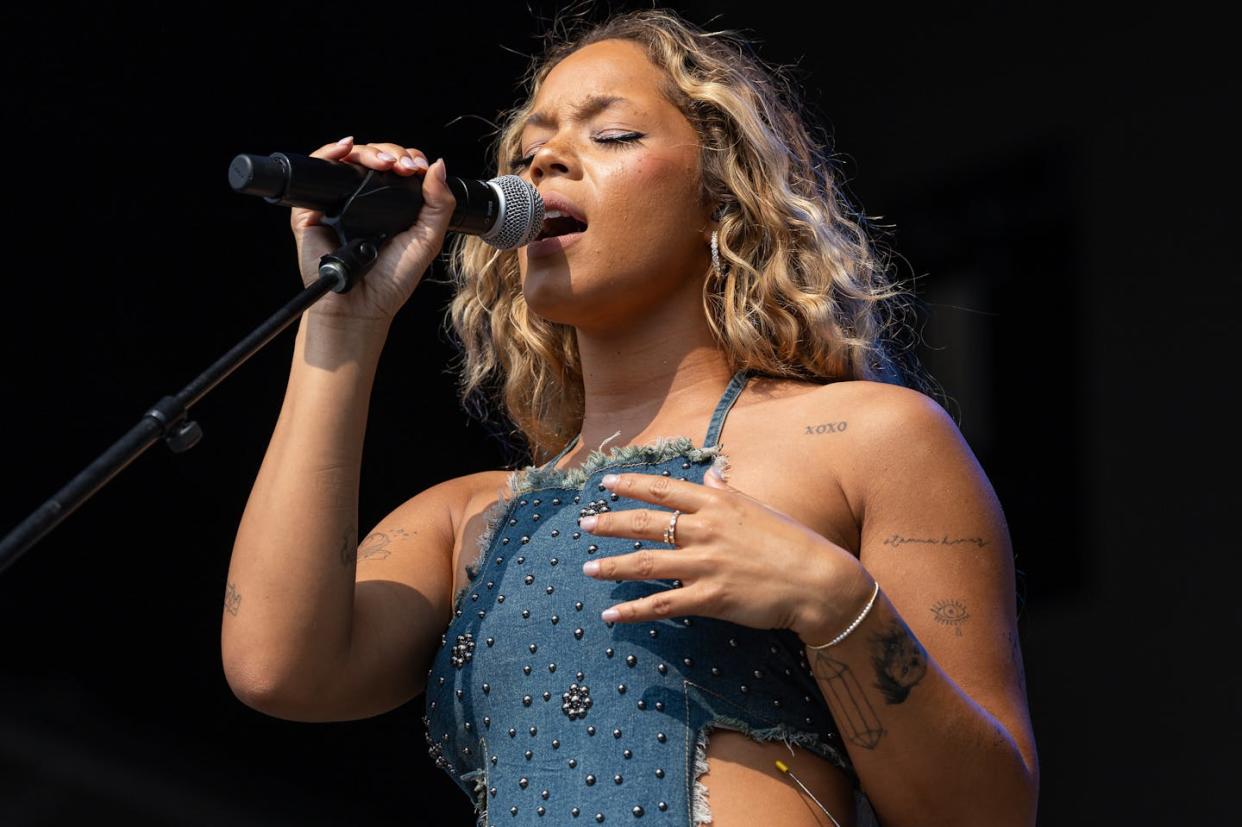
<point x="716" y="255"/>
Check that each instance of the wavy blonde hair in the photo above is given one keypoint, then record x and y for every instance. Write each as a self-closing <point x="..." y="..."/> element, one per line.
<point x="804" y="294"/>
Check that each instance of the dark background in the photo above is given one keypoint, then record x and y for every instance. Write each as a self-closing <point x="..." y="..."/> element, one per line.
<point x="1060" y="181"/>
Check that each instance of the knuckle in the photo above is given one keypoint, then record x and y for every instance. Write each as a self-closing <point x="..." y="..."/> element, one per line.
<point x="646" y="564"/>
<point x="608" y="567"/>
<point x="661" y="487"/>
<point x="642" y="520"/>
<point x="661" y="605"/>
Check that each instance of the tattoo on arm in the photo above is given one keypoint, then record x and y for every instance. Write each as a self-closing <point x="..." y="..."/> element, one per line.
<point x="349" y="547"/>
<point x="827" y="428"/>
<point x="232" y="599"/>
<point x="899" y="660"/>
<point x="374" y="547"/>
<point x="850" y="707"/>
<point x="951" y="613"/>
<point x="897" y="540"/>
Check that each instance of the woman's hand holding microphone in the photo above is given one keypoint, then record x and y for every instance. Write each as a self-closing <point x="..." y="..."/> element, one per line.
<point x="403" y="259"/>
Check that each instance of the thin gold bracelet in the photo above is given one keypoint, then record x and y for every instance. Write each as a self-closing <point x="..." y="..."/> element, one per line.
<point x="853" y="625"/>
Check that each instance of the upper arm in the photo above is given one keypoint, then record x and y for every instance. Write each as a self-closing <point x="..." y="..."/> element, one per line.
<point x="934" y="536"/>
<point x="402" y="600"/>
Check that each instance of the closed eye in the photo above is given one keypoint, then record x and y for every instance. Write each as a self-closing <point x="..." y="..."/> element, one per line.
<point x="613" y="141"/>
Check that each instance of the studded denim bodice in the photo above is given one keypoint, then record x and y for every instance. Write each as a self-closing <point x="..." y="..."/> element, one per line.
<point x="545" y="714"/>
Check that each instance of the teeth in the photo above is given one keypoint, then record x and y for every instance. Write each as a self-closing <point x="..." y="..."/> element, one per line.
<point x="554" y="214"/>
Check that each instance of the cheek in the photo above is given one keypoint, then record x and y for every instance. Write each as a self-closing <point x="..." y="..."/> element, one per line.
<point x="651" y="191"/>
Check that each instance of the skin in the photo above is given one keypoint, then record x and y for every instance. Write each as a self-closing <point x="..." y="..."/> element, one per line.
<point x="811" y="518"/>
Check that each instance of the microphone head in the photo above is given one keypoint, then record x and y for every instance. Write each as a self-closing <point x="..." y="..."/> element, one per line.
<point x="521" y="213"/>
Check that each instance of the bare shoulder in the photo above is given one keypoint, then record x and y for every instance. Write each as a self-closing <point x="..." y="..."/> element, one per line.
<point x="858" y="431"/>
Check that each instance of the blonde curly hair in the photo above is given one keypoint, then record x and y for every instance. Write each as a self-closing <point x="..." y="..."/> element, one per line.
<point x="804" y="293"/>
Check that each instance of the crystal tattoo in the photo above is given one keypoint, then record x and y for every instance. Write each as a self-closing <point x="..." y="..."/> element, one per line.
<point x="850" y="707"/>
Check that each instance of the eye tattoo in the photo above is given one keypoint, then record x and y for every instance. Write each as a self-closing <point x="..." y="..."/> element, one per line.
<point x="951" y="613"/>
<point x="232" y="599"/>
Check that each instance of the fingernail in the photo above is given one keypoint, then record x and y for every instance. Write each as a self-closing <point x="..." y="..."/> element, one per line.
<point x="384" y="156"/>
<point x="408" y="162"/>
<point x="441" y="173"/>
<point x="609" y="480"/>
<point x="610" y="615"/>
<point x="420" y="162"/>
<point x="590" y="567"/>
<point x="344" y="141"/>
<point x="588" y="522"/>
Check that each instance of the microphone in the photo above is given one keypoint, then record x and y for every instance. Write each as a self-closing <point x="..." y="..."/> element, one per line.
<point x="506" y="212"/>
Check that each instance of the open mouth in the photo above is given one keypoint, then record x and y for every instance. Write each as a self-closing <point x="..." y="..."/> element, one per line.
<point x="558" y="223"/>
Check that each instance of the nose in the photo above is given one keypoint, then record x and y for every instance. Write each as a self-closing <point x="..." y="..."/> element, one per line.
<point x="551" y="159"/>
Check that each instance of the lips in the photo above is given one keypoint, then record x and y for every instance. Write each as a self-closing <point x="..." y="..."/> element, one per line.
<point x="561" y="216"/>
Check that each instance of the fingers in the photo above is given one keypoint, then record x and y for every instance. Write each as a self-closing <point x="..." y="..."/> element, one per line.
<point x="661" y="490"/>
<point x="660" y="564"/>
<point x="383" y="156"/>
<point x="648" y="524"/>
<point x="668" y="603"/>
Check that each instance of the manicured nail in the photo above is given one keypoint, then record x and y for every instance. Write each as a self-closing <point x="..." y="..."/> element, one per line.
<point x="610" y="615"/>
<point x="407" y="162"/>
<point x="441" y="172"/>
<point x="344" y="141"/>
<point x="588" y="522"/>
<point x="384" y="156"/>
<point x="420" y="162"/>
<point x="609" y="480"/>
<point x="590" y="567"/>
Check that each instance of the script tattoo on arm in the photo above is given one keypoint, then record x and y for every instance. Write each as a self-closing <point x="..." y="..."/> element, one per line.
<point x="850" y="707"/>
<point x="899" y="660"/>
<point x="897" y="541"/>
<point x="232" y="599"/>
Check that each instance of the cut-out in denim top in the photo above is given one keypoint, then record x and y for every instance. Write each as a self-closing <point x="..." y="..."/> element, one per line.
<point x="543" y="713"/>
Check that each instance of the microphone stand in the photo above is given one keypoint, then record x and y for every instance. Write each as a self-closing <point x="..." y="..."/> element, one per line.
<point x="338" y="271"/>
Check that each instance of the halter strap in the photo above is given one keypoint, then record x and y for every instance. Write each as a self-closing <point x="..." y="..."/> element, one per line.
<point x="730" y="395"/>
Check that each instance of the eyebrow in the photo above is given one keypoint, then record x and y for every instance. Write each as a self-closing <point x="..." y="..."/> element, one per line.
<point x="589" y="108"/>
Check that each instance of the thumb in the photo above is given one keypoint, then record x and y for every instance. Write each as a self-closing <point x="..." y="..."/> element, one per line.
<point x="714" y="478"/>
<point x="438" y="199"/>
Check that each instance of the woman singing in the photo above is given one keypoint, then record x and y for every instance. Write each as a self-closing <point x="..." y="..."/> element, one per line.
<point x="755" y="577"/>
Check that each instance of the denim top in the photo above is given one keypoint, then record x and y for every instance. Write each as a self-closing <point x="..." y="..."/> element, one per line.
<point x="543" y="713"/>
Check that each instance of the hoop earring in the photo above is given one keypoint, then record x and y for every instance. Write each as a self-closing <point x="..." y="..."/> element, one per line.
<point x="716" y="255"/>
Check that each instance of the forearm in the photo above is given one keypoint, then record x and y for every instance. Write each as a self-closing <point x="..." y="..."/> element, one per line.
<point x="288" y="610"/>
<point x="926" y="752"/>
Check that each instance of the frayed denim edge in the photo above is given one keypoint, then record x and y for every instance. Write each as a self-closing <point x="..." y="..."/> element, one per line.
<point x="700" y="807"/>
<point x="532" y="477"/>
<point x="479" y="777"/>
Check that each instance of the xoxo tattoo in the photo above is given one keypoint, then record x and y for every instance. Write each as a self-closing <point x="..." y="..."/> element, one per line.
<point x="827" y="428"/>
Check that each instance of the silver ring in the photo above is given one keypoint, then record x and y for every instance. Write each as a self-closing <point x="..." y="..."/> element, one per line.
<point x="670" y="533"/>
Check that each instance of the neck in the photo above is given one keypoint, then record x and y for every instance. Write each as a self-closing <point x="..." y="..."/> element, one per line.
<point x="659" y="374"/>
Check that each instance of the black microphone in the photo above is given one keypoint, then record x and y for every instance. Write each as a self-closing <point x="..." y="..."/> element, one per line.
<point x="506" y="212"/>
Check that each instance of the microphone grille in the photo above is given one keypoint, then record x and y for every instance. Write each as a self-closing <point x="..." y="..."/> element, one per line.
<point x="521" y="217"/>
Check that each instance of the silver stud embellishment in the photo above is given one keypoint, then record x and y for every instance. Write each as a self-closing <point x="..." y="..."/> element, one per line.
<point x="576" y="701"/>
<point x="463" y="650"/>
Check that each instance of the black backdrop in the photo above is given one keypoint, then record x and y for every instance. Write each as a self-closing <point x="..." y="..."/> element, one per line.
<point x="1057" y="182"/>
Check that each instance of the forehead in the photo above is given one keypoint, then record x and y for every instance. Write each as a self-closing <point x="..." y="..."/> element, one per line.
<point x="609" y="68"/>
